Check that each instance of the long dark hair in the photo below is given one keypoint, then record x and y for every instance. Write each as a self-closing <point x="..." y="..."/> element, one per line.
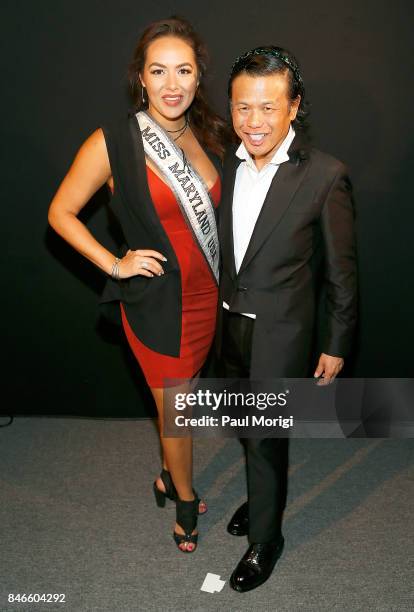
<point x="262" y="61"/>
<point x="210" y="129"/>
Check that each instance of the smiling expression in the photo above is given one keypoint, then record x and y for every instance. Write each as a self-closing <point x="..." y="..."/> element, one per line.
<point x="262" y="113"/>
<point x="170" y="77"/>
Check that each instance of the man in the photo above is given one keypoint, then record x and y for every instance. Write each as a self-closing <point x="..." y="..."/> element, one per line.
<point x="284" y="203"/>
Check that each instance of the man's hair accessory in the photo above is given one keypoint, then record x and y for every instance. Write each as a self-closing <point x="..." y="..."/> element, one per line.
<point x="269" y="51"/>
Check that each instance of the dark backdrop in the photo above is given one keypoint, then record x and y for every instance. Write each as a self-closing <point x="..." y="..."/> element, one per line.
<point x="64" y="73"/>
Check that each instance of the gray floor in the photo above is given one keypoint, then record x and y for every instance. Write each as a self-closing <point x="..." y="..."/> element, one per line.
<point x="78" y="517"/>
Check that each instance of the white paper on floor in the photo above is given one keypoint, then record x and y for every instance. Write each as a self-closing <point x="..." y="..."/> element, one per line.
<point x="212" y="583"/>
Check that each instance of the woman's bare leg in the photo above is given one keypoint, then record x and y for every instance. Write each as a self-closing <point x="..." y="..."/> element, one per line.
<point x="158" y="397"/>
<point x="178" y="459"/>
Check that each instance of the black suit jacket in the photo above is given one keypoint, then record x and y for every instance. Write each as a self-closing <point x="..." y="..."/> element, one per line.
<point x="308" y="212"/>
<point x="152" y="305"/>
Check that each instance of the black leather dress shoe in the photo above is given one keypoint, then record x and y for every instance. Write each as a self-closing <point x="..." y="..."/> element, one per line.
<point x="256" y="565"/>
<point x="239" y="523"/>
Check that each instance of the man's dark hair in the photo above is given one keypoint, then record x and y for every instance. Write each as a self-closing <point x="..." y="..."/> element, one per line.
<point x="263" y="61"/>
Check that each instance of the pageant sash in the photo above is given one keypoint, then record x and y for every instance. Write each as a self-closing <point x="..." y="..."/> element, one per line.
<point x="187" y="185"/>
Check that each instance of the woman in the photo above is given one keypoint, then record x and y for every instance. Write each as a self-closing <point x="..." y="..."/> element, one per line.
<point x="162" y="164"/>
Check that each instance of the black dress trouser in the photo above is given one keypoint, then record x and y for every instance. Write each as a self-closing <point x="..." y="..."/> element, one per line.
<point x="266" y="458"/>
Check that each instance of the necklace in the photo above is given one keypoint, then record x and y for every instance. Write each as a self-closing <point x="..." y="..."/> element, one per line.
<point x="181" y="130"/>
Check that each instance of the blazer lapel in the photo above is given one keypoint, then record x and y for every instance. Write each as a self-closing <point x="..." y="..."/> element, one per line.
<point x="226" y="211"/>
<point x="215" y="160"/>
<point x="284" y="185"/>
<point x="140" y="198"/>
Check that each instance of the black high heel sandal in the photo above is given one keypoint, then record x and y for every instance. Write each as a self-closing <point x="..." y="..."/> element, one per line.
<point x="186" y="517"/>
<point x="170" y="490"/>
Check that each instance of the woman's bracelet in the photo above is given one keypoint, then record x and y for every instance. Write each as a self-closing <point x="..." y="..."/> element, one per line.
<point x="115" y="268"/>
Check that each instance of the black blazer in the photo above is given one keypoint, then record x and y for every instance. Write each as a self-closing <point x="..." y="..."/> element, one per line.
<point x="152" y="305"/>
<point x="307" y="212"/>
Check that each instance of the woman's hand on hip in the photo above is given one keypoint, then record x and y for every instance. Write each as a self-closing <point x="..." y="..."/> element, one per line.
<point x="142" y="262"/>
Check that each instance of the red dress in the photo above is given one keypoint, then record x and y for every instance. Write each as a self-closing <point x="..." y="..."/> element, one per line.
<point x="199" y="294"/>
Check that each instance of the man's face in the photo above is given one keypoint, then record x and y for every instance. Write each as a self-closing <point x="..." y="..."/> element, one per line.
<point x="262" y="112"/>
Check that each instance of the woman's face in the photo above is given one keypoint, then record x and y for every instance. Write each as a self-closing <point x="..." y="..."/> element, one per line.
<point x="170" y="77"/>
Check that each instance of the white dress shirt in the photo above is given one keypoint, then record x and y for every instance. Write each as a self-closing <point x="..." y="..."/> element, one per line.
<point x="250" y="190"/>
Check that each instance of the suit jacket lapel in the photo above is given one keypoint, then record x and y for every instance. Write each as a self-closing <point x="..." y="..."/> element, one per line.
<point x="226" y="211"/>
<point x="284" y="185"/>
